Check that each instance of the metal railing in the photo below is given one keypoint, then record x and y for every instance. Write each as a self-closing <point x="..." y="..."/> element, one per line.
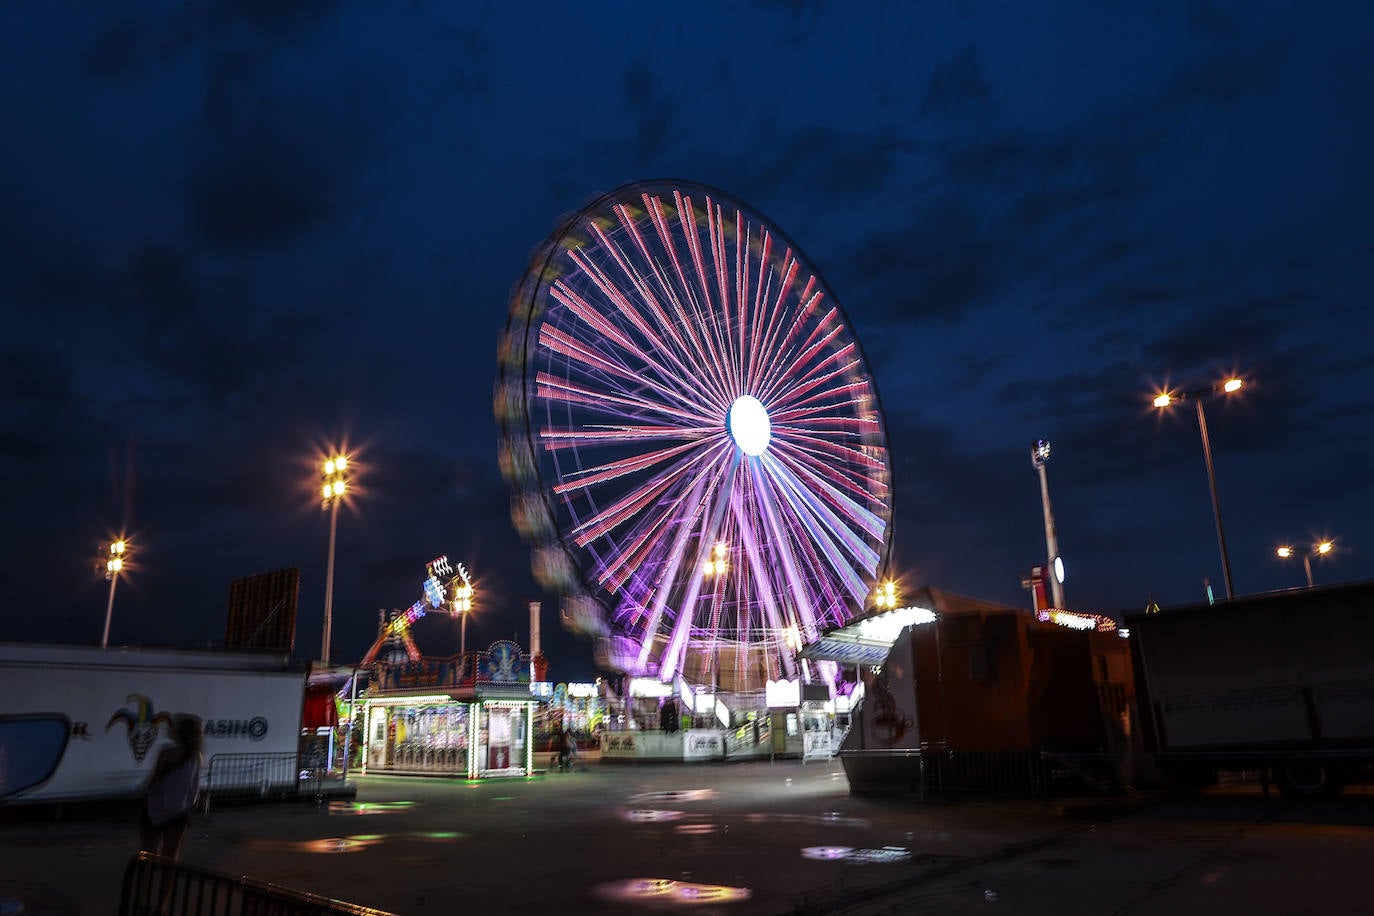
<point x="244" y="776"/>
<point x="155" y="885"/>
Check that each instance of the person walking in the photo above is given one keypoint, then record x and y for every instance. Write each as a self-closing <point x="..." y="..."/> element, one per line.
<point x="567" y="746"/>
<point x="172" y="791"/>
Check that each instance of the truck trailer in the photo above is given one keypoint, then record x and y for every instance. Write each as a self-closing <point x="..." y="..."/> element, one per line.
<point x="1281" y="683"/>
<point x="80" y="723"/>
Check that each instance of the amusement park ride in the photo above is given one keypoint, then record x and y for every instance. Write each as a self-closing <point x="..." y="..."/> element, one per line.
<point x="693" y="439"/>
<point x="441" y="582"/>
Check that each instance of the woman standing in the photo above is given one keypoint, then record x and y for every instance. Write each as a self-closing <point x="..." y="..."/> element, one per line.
<point x="172" y="791"/>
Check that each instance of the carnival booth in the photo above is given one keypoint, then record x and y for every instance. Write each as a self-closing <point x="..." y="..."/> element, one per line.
<point x="470" y="715"/>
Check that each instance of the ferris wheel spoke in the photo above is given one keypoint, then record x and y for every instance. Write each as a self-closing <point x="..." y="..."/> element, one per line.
<point x="552" y="388"/>
<point x="742" y="236"/>
<point x="822" y="447"/>
<point x="555" y="437"/>
<point x="657" y="597"/>
<point x="773" y="503"/>
<point x="647" y="526"/>
<point x="684" y="351"/>
<point x="861" y="518"/>
<point x="578" y="353"/>
<point x="861" y="485"/>
<point x="780" y="314"/>
<point x="717" y="499"/>
<point x="772" y="613"/>
<point x="703" y="307"/>
<point x="825" y="332"/>
<point x="755" y="327"/>
<point x="807" y="301"/>
<point x="809" y="508"/>
<point x="592" y="476"/>
<point x="631" y="503"/>
<point x="817" y="378"/>
<point x="831" y="398"/>
<point x="676" y="296"/>
<point x="626" y="306"/>
<point x="613" y="334"/>
<point x="715" y="227"/>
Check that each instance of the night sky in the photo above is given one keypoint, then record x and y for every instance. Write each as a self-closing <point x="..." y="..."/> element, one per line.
<point x="235" y="233"/>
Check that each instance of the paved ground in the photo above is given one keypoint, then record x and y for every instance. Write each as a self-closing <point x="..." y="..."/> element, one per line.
<point x="748" y="838"/>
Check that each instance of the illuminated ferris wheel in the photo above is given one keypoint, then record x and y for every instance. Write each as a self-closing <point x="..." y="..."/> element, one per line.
<point x="693" y="438"/>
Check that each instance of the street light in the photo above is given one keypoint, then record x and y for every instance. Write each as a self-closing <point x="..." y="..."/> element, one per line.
<point x="335" y="485"/>
<point x="885" y="596"/>
<point x="1319" y="549"/>
<point x="1040" y="456"/>
<point x="462" y="604"/>
<point x="113" y="567"/>
<point x="718" y="564"/>
<point x="1165" y="399"/>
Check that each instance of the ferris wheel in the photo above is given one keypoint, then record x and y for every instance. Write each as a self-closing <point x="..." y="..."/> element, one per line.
<point x="694" y="441"/>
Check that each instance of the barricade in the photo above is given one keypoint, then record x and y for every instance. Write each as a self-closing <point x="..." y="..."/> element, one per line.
<point x="154" y="885"/>
<point x="260" y="776"/>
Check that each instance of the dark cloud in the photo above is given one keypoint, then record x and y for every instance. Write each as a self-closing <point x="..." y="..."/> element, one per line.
<point x="836" y="162"/>
<point x="133" y="44"/>
<point x="652" y="111"/>
<point x="268" y="168"/>
<point x="1224" y="79"/>
<point x="268" y="17"/>
<point x="942" y="263"/>
<point x="129" y="48"/>
<point x="956" y="84"/>
<point x="157" y="283"/>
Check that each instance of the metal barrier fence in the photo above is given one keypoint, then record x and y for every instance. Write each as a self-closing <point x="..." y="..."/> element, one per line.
<point x="154" y="885"/>
<point x="244" y="776"/>
<point x="992" y="772"/>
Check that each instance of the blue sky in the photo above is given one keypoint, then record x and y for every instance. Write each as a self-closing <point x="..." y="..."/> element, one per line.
<point x="234" y="232"/>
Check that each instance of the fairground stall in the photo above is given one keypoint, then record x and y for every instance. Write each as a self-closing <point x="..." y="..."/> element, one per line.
<point x="469" y="715"/>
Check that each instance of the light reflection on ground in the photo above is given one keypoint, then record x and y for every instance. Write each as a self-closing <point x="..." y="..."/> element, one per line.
<point x="352" y="843"/>
<point x="830" y="817"/>
<point x="663" y="891"/>
<point x="644" y="815"/>
<point x="331" y="844"/>
<point x="696" y="829"/>
<point x="884" y="856"/>
<point x="343" y="807"/>
<point x="674" y="795"/>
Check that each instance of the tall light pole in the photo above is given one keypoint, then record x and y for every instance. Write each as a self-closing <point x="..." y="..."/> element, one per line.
<point x="462" y="605"/>
<point x="1164" y="399"/>
<point x="335" y="485"/>
<point x="1040" y="456"/>
<point x="113" y="566"/>
<point x="1320" y="549"/>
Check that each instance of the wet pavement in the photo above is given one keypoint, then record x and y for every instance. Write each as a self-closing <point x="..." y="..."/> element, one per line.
<point x="782" y="837"/>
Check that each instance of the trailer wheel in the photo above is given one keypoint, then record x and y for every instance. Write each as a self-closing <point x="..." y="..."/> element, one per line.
<point x="1309" y="777"/>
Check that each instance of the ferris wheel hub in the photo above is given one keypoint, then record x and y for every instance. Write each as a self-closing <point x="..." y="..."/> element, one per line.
<point x="748" y="424"/>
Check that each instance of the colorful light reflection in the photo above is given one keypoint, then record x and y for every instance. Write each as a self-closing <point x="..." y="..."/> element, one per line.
<point x="666" y="890"/>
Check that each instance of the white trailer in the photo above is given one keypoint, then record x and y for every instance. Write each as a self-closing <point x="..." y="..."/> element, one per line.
<point x="83" y="723"/>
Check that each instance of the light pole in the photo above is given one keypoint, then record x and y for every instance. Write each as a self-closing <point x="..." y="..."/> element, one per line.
<point x="1040" y="456"/>
<point x="462" y="605"/>
<point x="1164" y="399"/>
<point x="335" y="485"/>
<point x="113" y="566"/>
<point x="1320" y="549"/>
